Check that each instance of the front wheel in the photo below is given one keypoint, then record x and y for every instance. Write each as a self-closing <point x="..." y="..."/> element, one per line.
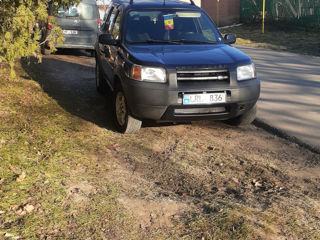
<point x="123" y="120"/>
<point x="244" y="119"/>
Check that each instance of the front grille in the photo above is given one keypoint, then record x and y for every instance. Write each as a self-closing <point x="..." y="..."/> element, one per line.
<point x="203" y="75"/>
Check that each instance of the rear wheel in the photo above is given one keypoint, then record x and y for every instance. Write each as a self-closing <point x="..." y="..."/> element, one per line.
<point x="123" y="120"/>
<point x="244" y="119"/>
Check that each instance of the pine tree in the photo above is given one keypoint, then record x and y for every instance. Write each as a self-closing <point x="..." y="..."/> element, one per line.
<point x="20" y="28"/>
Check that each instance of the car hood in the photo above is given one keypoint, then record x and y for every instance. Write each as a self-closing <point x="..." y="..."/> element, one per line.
<point x="173" y="56"/>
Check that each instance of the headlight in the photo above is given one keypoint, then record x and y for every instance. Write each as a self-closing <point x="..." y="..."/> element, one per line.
<point x="246" y="72"/>
<point x="148" y="74"/>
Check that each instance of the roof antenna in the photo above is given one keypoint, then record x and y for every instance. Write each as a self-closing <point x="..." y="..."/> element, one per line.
<point x="192" y="2"/>
<point x="131" y="2"/>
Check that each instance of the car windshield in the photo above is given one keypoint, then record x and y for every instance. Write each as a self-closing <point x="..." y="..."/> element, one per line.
<point x="168" y="26"/>
<point x="84" y="11"/>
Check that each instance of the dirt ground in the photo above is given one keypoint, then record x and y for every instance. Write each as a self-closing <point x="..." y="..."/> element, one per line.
<point x="199" y="180"/>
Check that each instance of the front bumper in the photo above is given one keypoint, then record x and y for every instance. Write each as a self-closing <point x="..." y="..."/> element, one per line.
<point x="164" y="101"/>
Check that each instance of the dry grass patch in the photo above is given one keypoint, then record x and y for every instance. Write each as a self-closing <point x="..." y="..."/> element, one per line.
<point x="278" y="37"/>
<point x="52" y="185"/>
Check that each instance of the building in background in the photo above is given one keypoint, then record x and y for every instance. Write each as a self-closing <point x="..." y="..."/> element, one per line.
<point x="222" y="12"/>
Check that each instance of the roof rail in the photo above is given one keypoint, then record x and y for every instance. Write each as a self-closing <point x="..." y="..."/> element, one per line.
<point x="192" y="2"/>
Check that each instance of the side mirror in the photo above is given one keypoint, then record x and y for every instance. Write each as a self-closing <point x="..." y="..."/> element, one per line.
<point x="107" y="39"/>
<point x="230" y="38"/>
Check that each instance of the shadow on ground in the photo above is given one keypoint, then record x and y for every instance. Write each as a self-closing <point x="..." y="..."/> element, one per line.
<point x="69" y="78"/>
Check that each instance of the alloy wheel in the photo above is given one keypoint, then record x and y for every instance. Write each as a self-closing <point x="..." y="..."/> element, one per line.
<point x="121" y="109"/>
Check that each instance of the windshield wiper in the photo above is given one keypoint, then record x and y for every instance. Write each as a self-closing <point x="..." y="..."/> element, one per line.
<point x="180" y="41"/>
<point x="154" y="41"/>
<point x="194" y="41"/>
<point x="162" y="41"/>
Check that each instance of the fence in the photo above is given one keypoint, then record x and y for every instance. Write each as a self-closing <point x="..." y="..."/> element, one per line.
<point x="300" y="12"/>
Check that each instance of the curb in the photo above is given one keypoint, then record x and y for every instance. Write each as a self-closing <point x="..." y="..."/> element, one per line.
<point x="282" y="134"/>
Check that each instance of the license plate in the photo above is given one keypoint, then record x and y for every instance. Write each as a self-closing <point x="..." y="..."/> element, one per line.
<point x="204" y="98"/>
<point x="69" y="32"/>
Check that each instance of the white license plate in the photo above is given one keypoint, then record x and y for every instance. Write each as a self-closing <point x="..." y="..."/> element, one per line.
<point x="204" y="98"/>
<point x="69" y="32"/>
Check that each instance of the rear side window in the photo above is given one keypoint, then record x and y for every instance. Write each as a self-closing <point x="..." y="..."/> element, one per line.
<point x="107" y="13"/>
<point x="116" y="27"/>
<point x="112" y="17"/>
<point x="83" y="11"/>
<point x="87" y="11"/>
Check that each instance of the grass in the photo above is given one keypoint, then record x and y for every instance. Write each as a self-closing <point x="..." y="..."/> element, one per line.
<point x="52" y="149"/>
<point x="278" y="37"/>
<point x="228" y="224"/>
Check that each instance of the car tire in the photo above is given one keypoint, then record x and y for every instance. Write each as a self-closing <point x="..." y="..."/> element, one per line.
<point x="100" y="85"/>
<point x="244" y="119"/>
<point x="124" y="122"/>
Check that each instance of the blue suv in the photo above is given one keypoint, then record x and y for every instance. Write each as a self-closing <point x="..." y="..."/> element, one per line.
<point x="166" y="61"/>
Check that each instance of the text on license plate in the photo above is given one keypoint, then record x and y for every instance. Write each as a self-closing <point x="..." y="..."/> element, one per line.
<point x="204" y="98"/>
<point x="69" y="31"/>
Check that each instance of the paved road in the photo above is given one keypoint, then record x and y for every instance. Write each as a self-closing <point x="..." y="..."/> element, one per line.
<point x="290" y="92"/>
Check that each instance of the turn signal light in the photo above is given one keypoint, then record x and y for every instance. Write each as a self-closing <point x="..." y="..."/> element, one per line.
<point x="136" y="72"/>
